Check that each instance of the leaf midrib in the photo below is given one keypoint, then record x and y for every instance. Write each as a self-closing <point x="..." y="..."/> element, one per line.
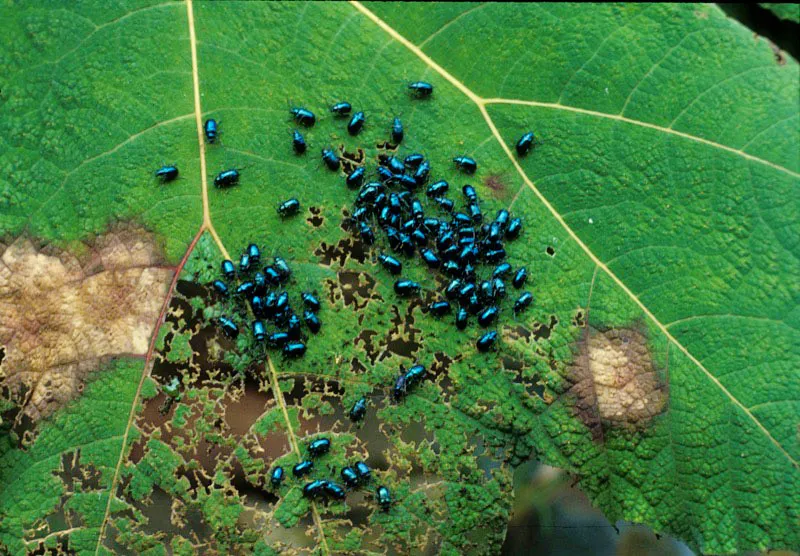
<point x="483" y="102"/>
<point x="206" y="226"/>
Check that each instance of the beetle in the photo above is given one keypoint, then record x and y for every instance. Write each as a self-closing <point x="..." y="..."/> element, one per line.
<point x="276" y="478"/>
<point x="415" y="374"/>
<point x="385" y="175"/>
<point x="260" y="281"/>
<point x="437" y="189"/>
<point x="359" y="410"/>
<point x="356" y="123"/>
<point x="384" y="498"/>
<point x="333" y="490"/>
<point x="431" y="225"/>
<point x="421" y="89"/>
<point x="525" y="143"/>
<point x="310" y="301"/>
<point x="277" y="339"/>
<point x="394" y="164"/>
<point x="298" y="142"/>
<point x="293" y="326"/>
<point x="254" y="253"/>
<point x="369" y="193"/>
<point x="467" y="289"/>
<point x="226" y="178"/>
<point x="210" y="129"/>
<point x="312" y="321"/>
<point x="303" y="116"/>
<point x="514" y="228"/>
<point x="314" y="489"/>
<point x="349" y="476"/>
<point x="330" y="158"/>
<point x="303" y="468"/>
<point x="397" y="131"/>
<point x="498" y="288"/>
<point x="409" y="182"/>
<point x="422" y="172"/>
<point x="417" y="212"/>
<point x="430" y="258"/>
<point x="400" y="387"/>
<point x="259" y="333"/>
<point x="453" y="288"/>
<point x="363" y="471"/>
<point x="460" y="219"/>
<point x="445" y="204"/>
<point x="470" y="193"/>
<point x="356" y="177"/>
<point x="439" y="308"/>
<point x="229" y="327"/>
<point x="220" y="287"/>
<point x="406" y="288"/>
<point x="495" y="233"/>
<point x="294" y="349"/>
<point x="475" y="212"/>
<point x="245" y="288"/>
<point x="523" y="302"/>
<point x="272" y="276"/>
<point x="244" y="262"/>
<point x="342" y="108"/>
<point x="257" y="303"/>
<point x="366" y="233"/>
<point x="466" y="164"/>
<point x="289" y="207"/>
<point x="462" y="318"/>
<point x="413" y="160"/>
<point x="488" y="316"/>
<point x="391" y="264"/>
<point x="502" y="218"/>
<point x="494" y="255"/>
<point x="486" y="341"/>
<point x="167" y="173"/>
<point x="419" y="237"/>
<point x="319" y="446"/>
<point x="280" y="265"/>
<point x="485" y="290"/>
<point x="501" y="270"/>
<point x="520" y="278"/>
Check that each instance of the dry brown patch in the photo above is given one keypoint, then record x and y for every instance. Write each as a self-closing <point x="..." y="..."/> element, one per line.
<point x="615" y="380"/>
<point x="60" y="314"/>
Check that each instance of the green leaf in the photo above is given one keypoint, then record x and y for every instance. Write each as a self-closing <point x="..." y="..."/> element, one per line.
<point x="790" y="12"/>
<point x="658" y="363"/>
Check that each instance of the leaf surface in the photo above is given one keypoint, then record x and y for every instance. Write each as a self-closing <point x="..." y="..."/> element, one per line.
<point x="658" y="363"/>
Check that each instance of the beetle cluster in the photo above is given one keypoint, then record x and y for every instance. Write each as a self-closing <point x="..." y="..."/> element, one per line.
<point x="263" y="291"/>
<point x="455" y="243"/>
<point x="353" y="476"/>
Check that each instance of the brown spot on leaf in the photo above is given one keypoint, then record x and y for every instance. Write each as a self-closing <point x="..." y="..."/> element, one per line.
<point x="615" y="381"/>
<point x="62" y="314"/>
<point x="496" y="183"/>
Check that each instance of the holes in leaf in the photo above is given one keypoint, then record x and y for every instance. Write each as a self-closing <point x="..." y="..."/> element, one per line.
<point x="316" y="219"/>
<point x="550" y="251"/>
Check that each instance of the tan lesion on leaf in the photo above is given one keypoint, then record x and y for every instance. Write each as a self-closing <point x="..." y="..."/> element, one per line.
<point x="615" y="380"/>
<point x="62" y="313"/>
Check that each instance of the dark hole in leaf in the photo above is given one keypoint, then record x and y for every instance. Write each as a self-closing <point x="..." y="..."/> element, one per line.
<point x="550" y="251"/>
<point x="316" y="219"/>
<point x="544" y="330"/>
